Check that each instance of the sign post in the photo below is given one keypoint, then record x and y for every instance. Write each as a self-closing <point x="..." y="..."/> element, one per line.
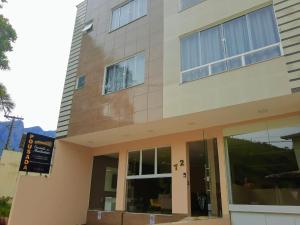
<point x="37" y="154"/>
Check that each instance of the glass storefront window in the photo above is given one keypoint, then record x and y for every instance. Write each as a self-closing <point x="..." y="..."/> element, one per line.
<point x="149" y="195"/>
<point x="133" y="163"/>
<point x="164" y="160"/>
<point x="148" y="158"/>
<point x="149" y="187"/>
<point x="265" y="167"/>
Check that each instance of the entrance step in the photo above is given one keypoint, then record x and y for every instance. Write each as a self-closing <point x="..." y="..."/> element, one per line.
<point x="200" y="221"/>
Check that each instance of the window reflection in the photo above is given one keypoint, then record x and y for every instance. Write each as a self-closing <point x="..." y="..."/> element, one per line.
<point x="265" y="167"/>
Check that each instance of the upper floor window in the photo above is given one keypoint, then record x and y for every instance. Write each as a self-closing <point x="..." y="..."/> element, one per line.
<point x="80" y="82"/>
<point x="184" y="4"/>
<point x="125" y="74"/>
<point x="128" y="12"/>
<point x="246" y="40"/>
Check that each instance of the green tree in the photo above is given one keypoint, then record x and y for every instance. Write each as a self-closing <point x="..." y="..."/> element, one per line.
<point x="7" y="37"/>
<point x="6" y="104"/>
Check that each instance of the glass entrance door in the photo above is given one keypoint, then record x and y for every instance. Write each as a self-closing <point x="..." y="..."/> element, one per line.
<point x="205" y="196"/>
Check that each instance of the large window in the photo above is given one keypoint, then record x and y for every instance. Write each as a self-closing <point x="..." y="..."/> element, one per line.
<point x="243" y="41"/>
<point x="131" y="11"/>
<point x="184" y="4"/>
<point x="265" y="167"/>
<point x="149" y="181"/>
<point x="125" y="74"/>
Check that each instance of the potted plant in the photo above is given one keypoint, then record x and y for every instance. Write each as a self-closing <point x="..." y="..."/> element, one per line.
<point x="5" y="205"/>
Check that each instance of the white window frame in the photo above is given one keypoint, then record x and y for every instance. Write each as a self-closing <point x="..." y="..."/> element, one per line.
<point x="241" y="56"/>
<point x="155" y="175"/>
<point x="117" y="62"/>
<point x="111" y="29"/>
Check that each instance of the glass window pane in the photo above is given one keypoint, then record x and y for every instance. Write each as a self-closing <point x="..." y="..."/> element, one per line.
<point x="164" y="160"/>
<point x="142" y="7"/>
<point x="265" y="167"/>
<point x="133" y="163"/>
<point x="263" y="27"/>
<point x="130" y="72"/>
<point x="132" y="10"/>
<point x="262" y="55"/>
<point x="218" y="67"/>
<point x="115" y="23"/>
<point x="149" y="195"/>
<point x="81" y="82"/>
<point x="140" y="69"/>
<point x="190" y="56"/>
<point x="104" y="183"/>
<point x="236" y="36"/>
<point x="211" y="45"/>
<point x="124" y="15"/>
<point x="234" y="63"/>
<point x="109" y="82"/>
<point x="195" y="74"/>
<point x="148" y="157"/>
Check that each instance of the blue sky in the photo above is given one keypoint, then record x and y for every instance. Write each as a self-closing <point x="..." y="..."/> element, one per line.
<point x="39" y="59"/>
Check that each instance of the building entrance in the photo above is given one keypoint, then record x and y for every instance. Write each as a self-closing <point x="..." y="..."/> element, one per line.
<point x="204" y="179"/>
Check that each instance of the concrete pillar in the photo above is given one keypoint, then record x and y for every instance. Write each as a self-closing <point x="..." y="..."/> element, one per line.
<point x="180" y="188"/>
<point x="121" y="185"/>
<point x="223" y="174"/>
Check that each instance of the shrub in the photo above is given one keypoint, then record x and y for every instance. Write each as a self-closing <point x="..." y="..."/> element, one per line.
<point x="5" y="205"/>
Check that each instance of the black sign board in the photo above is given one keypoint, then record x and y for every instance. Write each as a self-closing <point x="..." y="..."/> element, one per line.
<point x="37" y="153"/>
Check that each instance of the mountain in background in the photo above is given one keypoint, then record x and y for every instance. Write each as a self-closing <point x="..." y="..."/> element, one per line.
<point x="18" y="131"/>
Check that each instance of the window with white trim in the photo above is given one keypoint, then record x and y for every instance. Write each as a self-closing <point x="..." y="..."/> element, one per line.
<point x="243" y="41"/>
<point x="128" y="12"/>
<point x="125" y="74"/>
<point x="149" y="182"/>
<point x="184" y="4"/>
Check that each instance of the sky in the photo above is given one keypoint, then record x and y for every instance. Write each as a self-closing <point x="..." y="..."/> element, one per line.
<point x="39" y="59"/>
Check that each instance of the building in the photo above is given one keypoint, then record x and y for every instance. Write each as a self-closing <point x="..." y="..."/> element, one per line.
<point x="175" y="110"/>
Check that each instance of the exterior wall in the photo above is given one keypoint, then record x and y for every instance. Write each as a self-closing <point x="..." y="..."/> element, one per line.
<point x="288" y="16"/>
<point x="92" y="111"/>
<point x="9" y="172"/>
<point x="251" y="83"/>
<point x="61" y="198"/>
<point x="70" y="80"/>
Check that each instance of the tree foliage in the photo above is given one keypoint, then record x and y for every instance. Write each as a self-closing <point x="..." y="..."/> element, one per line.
<point x="6" y="104"/>
<point x="5" y="205"/>
<point x="7" y="37"/>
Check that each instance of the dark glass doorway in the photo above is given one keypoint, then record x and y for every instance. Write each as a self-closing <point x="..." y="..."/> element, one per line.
<point x="205" y="196"/>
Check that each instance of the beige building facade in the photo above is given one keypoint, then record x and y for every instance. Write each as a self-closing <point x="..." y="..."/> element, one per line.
<point x="173" y="111"/>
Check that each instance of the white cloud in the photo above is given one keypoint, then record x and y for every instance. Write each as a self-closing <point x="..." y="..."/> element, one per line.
<point x="39" y="60"/>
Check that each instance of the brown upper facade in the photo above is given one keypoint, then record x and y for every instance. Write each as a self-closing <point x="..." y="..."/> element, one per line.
<point x="94" y="108"/>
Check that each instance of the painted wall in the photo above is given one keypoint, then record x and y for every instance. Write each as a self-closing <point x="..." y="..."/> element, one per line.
<point x="251" y="83"/>
<point x="9" y="172"/>
<point x="60" y="199"/>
